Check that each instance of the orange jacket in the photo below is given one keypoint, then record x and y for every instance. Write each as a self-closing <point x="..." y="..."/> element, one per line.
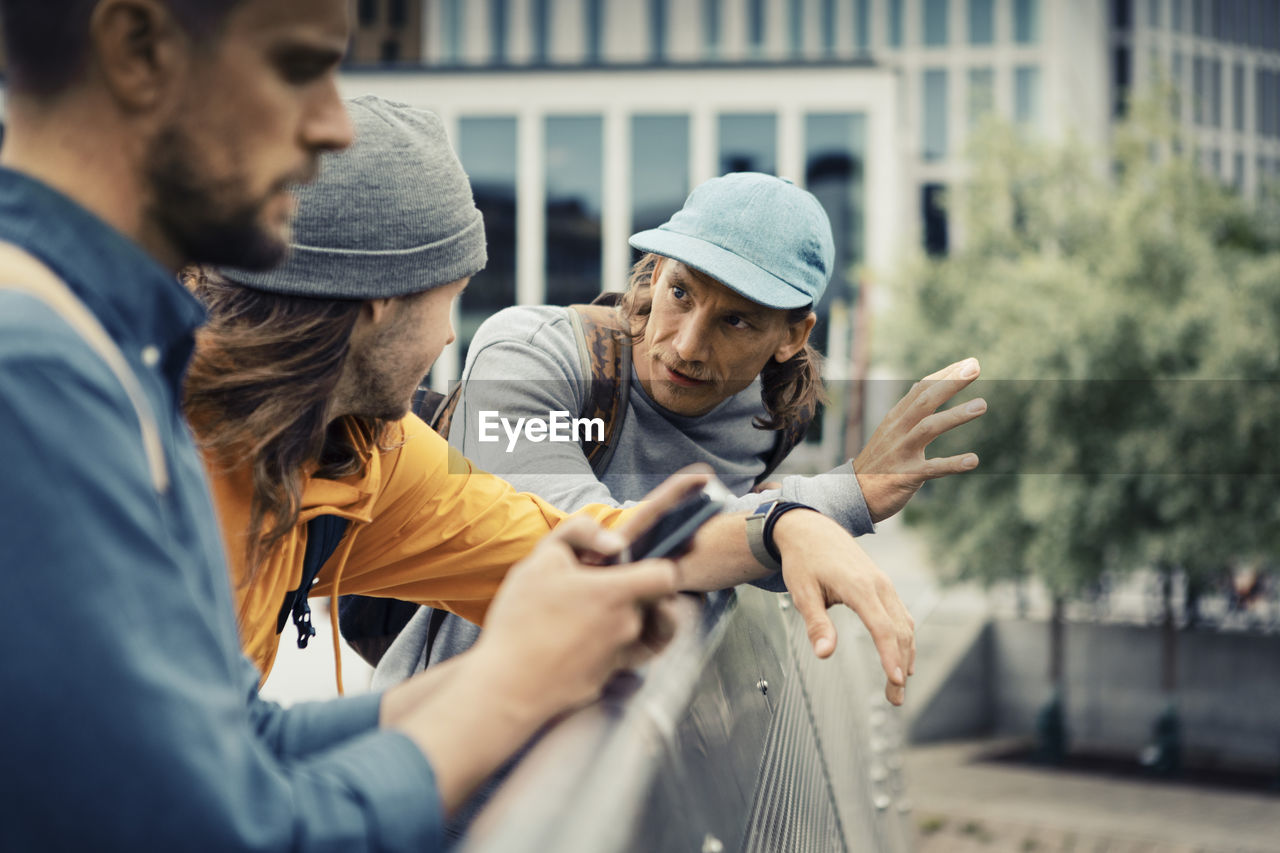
<point x="424" y="525"/>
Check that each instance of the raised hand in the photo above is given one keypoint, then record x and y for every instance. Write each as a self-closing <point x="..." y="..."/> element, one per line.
<point x="893" y="467"/>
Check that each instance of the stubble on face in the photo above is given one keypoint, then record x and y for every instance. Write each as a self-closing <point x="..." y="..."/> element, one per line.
<point x="209" y="219"/>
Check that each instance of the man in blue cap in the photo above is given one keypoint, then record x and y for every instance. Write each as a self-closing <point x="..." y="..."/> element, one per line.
<point x="715" y="325"/>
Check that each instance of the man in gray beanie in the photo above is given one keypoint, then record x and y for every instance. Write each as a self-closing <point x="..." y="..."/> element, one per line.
<point x="299" y="393"/>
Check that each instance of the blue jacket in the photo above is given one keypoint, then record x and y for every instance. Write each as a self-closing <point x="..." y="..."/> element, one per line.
<point x="129" y="719"/>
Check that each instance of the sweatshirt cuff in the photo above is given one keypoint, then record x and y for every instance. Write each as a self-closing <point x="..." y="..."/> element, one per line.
<point x="836" y="494"/>
<point x="312" y="726"/>
<point x="398" y="790"/>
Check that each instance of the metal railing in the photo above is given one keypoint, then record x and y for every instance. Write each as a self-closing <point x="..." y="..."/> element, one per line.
<point x="736" y="738"/>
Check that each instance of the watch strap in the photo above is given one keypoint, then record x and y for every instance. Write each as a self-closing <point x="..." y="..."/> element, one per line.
<point x="755" y="536"/>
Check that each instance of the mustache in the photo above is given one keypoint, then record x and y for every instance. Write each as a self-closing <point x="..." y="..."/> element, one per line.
<point x="693" y="371"/>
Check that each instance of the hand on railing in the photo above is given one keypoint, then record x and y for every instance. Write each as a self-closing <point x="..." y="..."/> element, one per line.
<point x="823" y="565"/>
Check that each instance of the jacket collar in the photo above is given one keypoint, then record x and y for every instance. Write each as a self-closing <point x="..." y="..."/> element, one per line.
<point x="138" y="302"/>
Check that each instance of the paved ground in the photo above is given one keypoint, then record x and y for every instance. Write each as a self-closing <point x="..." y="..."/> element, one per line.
<point x="962" y="804"/>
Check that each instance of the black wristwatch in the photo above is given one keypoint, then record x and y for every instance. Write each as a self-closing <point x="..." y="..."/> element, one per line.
<point x="760" y="526"/>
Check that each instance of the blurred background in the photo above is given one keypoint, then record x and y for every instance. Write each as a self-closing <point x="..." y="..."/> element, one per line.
<point x="1082" y="194"/>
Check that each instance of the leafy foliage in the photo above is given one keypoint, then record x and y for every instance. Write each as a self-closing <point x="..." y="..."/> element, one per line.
<point x="1126" y="311"/>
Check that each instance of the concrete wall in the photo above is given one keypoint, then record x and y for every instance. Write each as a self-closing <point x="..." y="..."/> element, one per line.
<point x="1228" y="696"/>
<point x="962" y="703"/>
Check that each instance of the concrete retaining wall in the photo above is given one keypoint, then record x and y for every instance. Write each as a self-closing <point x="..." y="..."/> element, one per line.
<point x="1228" y="696"/>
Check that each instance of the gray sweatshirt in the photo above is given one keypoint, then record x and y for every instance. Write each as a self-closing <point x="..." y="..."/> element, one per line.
<point x="524" y="363"/>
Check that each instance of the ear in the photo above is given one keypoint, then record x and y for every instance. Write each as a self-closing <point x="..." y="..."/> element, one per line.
<point x="139" y="49"/>
<point x="375" y="311"/>
<point x="797" y="335"/>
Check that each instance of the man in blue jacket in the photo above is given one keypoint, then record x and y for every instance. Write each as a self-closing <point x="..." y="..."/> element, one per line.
<point x="143" y="135"/>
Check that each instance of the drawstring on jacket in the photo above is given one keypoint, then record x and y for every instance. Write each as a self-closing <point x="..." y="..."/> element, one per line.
<point x="347" y="545"/>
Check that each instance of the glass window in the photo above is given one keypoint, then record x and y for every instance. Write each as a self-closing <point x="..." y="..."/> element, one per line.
<point x="1215" y="92"/>
<point x="933" y="220"/>
<point x="1122" y="14"/>
<point x="795" y="9"/>
<point x="659" y="170"/>
<point x="487" y="149"/>
<point x="829" y="26"/>
<point x="934" y="120"/>
<point x="1266" y="103"/>
<point x="894" y="35"/>
<point x="1179" y="85"/>
<point x="982" y="21"/>
<point x="575" y="186"/>
<point x="711" y="26"/>
<point x="398" y="14"/>
<point x="1026" y="95"/>
<point x="367" y="12"/>
<point x="1175" y="15"/>
<point x="1199" y="76"/>
<point x="1237" y="170"/>
<point x="835" y="162"/>
<point x="1237" y="96"/>
<point x="540" y="11"/>
<point x="498" y="31"/>
<point x="861" y="25"/>
<point x="749" y="143"/>
<point x="451" y="12"/>
<point x="982" y="93"/>
<point x="390" y="51"/>
<point x="1198" y="17"/>
<point x="755" y="25"/>
<point x="1026" y="21"/>
<point x="594" y="25"/>
<point x="657" y="30"/>
<point x="935" y="23"/>
<point x="1153" y="13"/>
<point x="1122" y="77"/>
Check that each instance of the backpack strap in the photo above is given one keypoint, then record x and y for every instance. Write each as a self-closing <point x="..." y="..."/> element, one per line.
<point x="324" y="533"/>
<point x="21" y="271"/>
<point x="604" y="351"/>
<point x="435" y="408"/>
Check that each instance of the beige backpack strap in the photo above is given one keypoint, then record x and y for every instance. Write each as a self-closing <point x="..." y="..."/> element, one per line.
<point x="21" y="272"/>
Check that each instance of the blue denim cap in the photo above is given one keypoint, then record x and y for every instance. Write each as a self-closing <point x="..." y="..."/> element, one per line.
<point x="758" y="235"/>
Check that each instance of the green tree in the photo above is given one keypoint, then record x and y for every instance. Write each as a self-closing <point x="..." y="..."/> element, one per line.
<point x="1126" y="311"/>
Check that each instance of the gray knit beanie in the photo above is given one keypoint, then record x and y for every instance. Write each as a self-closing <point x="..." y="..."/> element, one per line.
<point x="391" y="215"/>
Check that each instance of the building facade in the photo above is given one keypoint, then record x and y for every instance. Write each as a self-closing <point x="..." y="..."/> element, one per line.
<point x="567" y="163"/>
<point x="581" y="121"/>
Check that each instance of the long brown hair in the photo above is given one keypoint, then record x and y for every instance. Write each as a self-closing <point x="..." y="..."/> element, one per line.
<point x="258" y="389"/>
<point x="790" y="390"/>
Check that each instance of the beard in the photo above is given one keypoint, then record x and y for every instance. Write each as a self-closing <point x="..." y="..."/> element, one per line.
<point x="209" y="221"/>
<point x="383" y="394"/>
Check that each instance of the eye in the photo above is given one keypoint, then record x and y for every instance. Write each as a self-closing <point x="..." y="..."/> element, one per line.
<point x="300" y="66"/>
<point x="677" y="292"/>
<point x="737" y="322"/>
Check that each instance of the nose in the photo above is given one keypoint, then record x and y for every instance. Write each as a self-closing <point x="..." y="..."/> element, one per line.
<point x="326" y="125"/>
<point x="691" y="341"/>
